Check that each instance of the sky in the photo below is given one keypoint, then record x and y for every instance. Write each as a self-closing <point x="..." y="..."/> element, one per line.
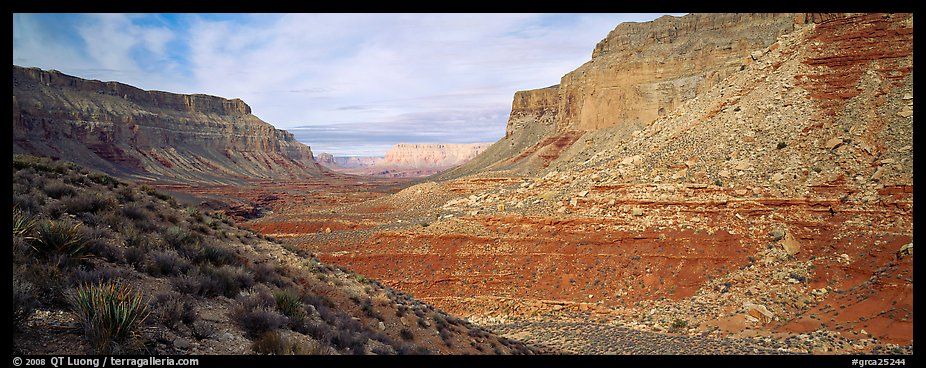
<point x="347" y="84"/>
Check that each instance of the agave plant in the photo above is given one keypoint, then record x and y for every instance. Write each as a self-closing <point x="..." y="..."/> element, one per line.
<point x="23" y="224"/>
<point x="56" y="237"/>
<point x="109" y="313"/>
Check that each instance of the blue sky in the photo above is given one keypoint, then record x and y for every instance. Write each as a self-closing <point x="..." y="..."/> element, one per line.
<point x="348" y="84"/>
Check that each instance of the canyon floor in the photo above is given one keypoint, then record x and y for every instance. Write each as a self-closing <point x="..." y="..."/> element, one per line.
<point x="628" y="269"/>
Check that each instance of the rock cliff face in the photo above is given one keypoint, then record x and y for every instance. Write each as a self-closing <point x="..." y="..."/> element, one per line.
<point x="431" y="156"/>
<point x="643" y="70"/>
<point x="149" y="135"/>
<point x="406" y="159"/>
<point x="639" y="72"/>
<point x="346" y="162"/>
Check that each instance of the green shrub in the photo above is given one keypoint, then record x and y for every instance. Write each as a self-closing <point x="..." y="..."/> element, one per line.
<point x="110" y="313"/>
<point x="229" y="280"/>
<point x="289" y="303"/>
<point x="217" y="255"/>
<point x="678" y="325"/>
<point x="103" y="179"/>
<point x="179" y="238"/>
<point x="59" y="238"/>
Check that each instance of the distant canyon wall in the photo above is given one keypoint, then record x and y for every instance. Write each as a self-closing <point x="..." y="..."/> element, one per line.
<point x="407" y="159"/>
<point x="150" y="135"/>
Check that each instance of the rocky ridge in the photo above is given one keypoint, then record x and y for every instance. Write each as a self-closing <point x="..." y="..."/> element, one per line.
<point x="150" y="135"/>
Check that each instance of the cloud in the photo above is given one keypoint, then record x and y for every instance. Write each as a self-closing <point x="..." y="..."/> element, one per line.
<point x="379" y="77"/>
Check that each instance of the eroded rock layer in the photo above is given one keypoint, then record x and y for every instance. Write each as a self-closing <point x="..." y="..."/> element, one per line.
<point x="149" y="135"/>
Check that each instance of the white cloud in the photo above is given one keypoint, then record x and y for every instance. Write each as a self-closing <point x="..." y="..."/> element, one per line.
<point x="389" y="70"/>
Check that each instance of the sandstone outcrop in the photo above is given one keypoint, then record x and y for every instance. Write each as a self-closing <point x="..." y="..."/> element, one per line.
<point x="149" y="135"/>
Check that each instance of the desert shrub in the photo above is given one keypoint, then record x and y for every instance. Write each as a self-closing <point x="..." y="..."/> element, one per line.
<point x="179" y="238"/>
<point x="189" y="284"/>
<point x="109" y="313"/>
<point x="134" y="212"/>
<point x="319" y="331"/>
<point x="406" y="334"/>
<point x="24" y="303"/>
<point x="216" y="254"/>
<point x="202" y="330"/>
<point x="126" y="194"/>
<point x="28" y="202"/>
<point x="47" y="281"/>
<point x="345" y="339"/>
<point x="135" y="256"/>
<point x="103" y="179"/>
<point x="255" y="316"/>
<point x="274" y="343"/>
<point x="678" y="325"/>
<point x="289" y="303"/>
<point x="59" y="238"/>
<point x="227" y="280"/>
<point x="166" y="263"/>
<point x="267" y="274"/>
<point x="446" y="336"/>
<point x="98" y="242"/>
<point x="366" y="305"/>
<point x="22" y="251"/>
<point x="171" y="308"/>
<point x="476" y="332"/>
<point x="423" y="323"/>
<point x="88" y="202"/>
<point x="54" y="209"/>
<point x="75" y="178"/>
<point x="57" y="190"/>
<point x="84" y="276"/>
<point x="134" y="238"/>
<point x="400" y="310"/>
<point x="440" y="321"/>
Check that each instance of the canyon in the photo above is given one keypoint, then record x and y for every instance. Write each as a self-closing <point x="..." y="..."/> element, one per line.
<point x="705" y="184"/>
<point x="759" y="189"/>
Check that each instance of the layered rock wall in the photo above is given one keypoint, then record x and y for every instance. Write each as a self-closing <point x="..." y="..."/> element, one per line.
<point x="130" y="132"/>
<point x="427" y="155"/>
<point x="641" y="71"/>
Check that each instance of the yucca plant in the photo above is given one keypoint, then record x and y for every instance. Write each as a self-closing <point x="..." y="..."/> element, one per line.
<point x="109" y="313"/>
<point x="56" y="237"/>
<point x="23" y="224"/>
